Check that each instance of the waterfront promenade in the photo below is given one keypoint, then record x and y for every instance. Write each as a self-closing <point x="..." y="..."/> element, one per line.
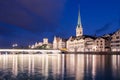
<point x="29" y="50"/>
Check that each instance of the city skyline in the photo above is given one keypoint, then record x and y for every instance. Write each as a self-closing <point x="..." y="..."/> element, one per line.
<point x="23" y="25"/>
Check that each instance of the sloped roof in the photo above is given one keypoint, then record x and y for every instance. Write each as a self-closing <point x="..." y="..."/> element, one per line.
<point x="72" y="38"/>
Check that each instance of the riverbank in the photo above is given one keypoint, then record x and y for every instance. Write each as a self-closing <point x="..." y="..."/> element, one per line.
<point x="94" y="53"/>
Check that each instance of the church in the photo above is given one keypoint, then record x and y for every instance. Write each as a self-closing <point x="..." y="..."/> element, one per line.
<point x="80" y="42"/>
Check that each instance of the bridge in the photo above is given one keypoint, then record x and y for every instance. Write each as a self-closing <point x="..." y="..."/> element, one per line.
<point x="29" y="50"/>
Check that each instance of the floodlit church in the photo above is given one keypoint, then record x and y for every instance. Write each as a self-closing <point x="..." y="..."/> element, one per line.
<point x="80" y="42"/>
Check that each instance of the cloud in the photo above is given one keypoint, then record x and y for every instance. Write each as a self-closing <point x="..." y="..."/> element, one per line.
<point x="27" y="21"/>
<point x="32" y="15"/>
<point x="104" y="28"/>
<point x="10" y="34"/>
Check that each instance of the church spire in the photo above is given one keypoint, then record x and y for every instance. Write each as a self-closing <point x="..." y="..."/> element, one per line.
<point x="79" y="29"/>
<point x="79" y="19"/>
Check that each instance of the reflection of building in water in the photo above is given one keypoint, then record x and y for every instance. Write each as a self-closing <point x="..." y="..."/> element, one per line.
<point x="79" y="67"/>
<point x="4" y="62"/>
<point x="29" y="64"/>
<point x="88" y="65"/>
<point x="98" y="65"/>
<point x="115" y="41"/>
<point x="33" y="64"/>
<point x="15" y="65"/>
<point x="61" y="66"/>
<point x="69" y="66"/>
<point x="54" y="66"/>
<point x="94" y="64"/>
<point x="115" y="65"/>
<point x="46" y="66"/>
<point x="20" y="60"/>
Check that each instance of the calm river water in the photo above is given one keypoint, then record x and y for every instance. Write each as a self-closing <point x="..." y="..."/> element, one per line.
<point x="59" y="67"/>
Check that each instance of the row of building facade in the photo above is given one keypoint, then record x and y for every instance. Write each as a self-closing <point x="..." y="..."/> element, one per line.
<point x="83" y="43"/>
<point x="87" y="43"/>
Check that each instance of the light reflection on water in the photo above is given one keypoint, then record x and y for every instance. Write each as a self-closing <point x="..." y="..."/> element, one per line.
<point x="59" y="67"/>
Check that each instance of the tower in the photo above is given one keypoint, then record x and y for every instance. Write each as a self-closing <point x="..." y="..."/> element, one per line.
<point x="45" y="41"/>
<point x="79" y="29"/>
<point x="55" y="43"/>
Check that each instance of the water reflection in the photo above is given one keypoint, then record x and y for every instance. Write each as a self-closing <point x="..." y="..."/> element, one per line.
<point x="59" y="67"/>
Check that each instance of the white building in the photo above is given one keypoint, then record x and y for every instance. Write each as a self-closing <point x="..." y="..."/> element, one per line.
<point x="45" y="41"/>
<point x="75" y="44"/>
<point x="90" y="44"/>
<point x="115" y="41"/>
<point x="59" y="43"/>
<point x="100" y="44"/>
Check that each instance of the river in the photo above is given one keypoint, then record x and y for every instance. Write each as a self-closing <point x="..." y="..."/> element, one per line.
<point x="59" y="67"/>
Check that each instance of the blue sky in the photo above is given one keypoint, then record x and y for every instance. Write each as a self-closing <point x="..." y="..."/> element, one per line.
<point x="27" y="21"/>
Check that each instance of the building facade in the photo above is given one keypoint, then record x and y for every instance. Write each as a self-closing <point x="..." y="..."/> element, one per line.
<point x="75" y="44"/>
<point x="115" y="41"/>
<point x="59" y="43"/>
<point x="90" y="44"/>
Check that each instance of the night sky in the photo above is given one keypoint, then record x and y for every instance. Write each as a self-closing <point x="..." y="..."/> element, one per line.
<point x="27" y="21"/>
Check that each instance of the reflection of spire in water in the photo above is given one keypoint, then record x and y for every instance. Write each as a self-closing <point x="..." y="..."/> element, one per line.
<point x="72" y="64"/>
<point x="79" y="73"/>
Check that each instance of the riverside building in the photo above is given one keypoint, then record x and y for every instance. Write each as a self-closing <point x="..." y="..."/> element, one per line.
<point x="59" y="43"/>
<point x="115" y="41"/>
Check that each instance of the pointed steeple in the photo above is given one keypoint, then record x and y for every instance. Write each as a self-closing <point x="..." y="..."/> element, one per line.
<point x="79" y="19"/>
<point x="79" y="29"/>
